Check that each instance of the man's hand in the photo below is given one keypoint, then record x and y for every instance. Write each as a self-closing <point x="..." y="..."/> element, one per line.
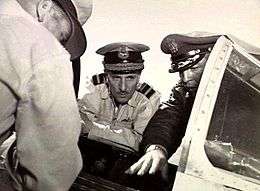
<point x="152" y="161"/>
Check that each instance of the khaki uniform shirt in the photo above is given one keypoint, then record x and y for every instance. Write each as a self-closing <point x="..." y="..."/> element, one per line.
<point x="37" y="98"/>
<point x="121" y="126"/>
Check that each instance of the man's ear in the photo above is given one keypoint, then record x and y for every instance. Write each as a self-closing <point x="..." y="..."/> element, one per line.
<point x="138" y="77"/>
<point x="43" y="8"/>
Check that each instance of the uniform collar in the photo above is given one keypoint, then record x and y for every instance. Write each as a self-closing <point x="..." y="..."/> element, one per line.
<point x="184" y="91"/>
<point x="132" y="102"/>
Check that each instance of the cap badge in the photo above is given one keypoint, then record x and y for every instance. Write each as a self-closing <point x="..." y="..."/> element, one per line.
<point x="123" y="53"/>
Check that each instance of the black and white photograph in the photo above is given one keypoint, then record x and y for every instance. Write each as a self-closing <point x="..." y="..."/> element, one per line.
<point x="129" y="95"/>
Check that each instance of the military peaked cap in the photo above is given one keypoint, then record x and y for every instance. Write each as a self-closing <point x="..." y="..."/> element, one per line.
<point x="182" y="47"/>
<point x="123" y="56"/>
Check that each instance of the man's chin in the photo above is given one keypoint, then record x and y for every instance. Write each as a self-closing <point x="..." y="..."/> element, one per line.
<point x="192" y="86"/>
<point x="122" y="101"/>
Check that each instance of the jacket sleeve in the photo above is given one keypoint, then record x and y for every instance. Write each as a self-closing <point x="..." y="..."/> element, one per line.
<point x="48" y="128"/>
<point x="167" y="126"/>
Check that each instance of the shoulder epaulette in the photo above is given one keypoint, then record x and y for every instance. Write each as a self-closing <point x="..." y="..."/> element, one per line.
<point x="99" y="78"/>
<point x="147" y="90"/>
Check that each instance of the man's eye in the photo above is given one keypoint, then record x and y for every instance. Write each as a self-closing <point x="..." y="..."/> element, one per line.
<point x="115" y="77"/>
<point x="130" y="78"/>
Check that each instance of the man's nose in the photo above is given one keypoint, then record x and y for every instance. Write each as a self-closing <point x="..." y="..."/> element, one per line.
<point x="123" y="84"/>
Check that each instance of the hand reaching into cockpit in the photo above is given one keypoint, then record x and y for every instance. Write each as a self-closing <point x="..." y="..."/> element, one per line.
<point x="155" y="159"/>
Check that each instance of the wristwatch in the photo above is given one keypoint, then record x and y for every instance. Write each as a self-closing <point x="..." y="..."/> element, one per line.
<point x="157" y="147"/>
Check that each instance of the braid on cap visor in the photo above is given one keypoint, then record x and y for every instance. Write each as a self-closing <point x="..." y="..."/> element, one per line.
<point x="177" y="67"/>
<point x="124" y="66"/>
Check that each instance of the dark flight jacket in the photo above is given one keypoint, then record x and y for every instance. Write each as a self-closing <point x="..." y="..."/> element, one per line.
<point x="168" y="125"/>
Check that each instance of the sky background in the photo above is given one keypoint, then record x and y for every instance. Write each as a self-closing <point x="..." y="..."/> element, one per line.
<point x="149" y="21"/>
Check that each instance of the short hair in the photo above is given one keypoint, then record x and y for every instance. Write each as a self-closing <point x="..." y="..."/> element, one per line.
<point x="58" y="14"/>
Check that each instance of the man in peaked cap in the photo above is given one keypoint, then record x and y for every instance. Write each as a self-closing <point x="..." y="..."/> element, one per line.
<point x="37" y="100"/>
<point x="167" y="127"/>
<point x="117" y="107"/>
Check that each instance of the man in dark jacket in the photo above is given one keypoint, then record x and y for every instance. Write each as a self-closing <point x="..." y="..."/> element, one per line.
<point x="164" y="132"/>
